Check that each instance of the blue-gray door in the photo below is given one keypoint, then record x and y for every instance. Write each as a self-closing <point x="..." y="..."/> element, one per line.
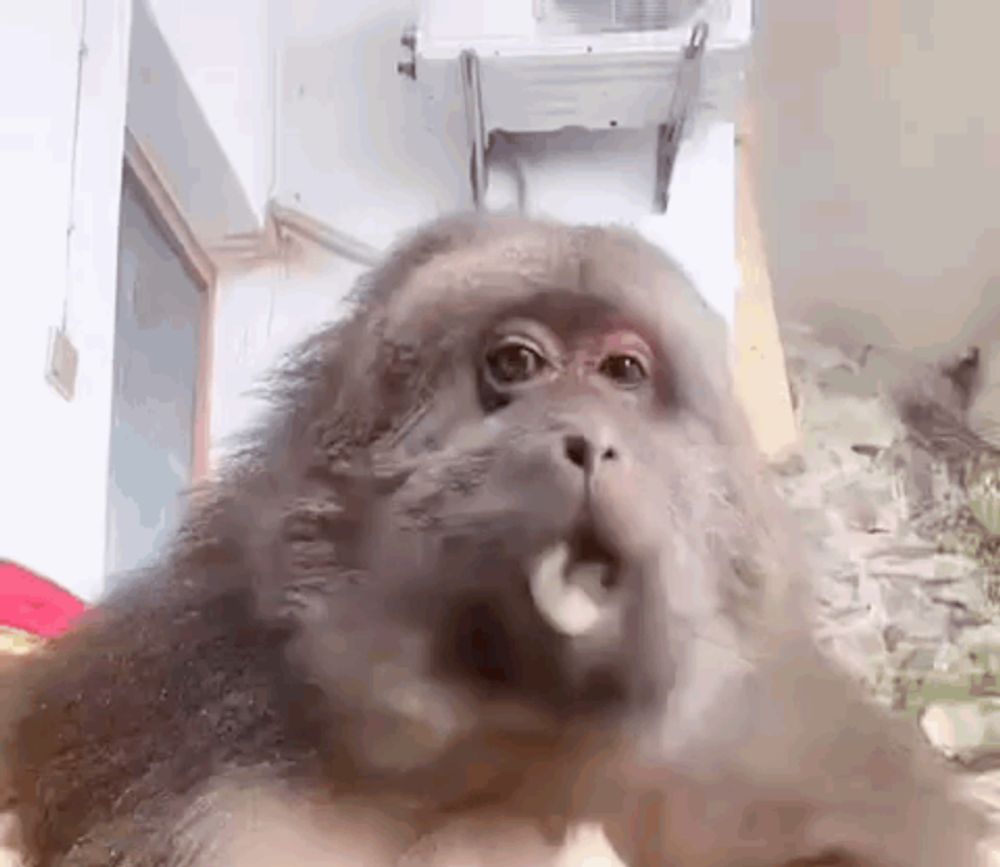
<point x="160" y="306"/>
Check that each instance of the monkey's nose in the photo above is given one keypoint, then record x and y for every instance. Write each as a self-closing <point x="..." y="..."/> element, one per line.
<point x="585" y="453"/>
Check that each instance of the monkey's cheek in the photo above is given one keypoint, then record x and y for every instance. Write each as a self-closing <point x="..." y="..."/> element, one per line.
<point x="539" y="480"/>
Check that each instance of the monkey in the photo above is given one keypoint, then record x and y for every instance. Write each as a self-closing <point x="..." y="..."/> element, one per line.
<point x="500" y="558"/>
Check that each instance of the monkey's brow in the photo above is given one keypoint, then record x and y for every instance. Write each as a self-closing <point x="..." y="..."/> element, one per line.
<point x="570" y="310"/>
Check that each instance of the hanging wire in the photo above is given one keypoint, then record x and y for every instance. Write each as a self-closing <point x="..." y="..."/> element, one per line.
<point x="81" y="55"/>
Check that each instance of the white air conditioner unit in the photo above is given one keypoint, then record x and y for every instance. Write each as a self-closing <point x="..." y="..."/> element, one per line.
<point x="548" y="64"/>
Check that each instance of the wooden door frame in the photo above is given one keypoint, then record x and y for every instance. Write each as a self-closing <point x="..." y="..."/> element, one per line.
<point x="760" y="375"/>
<point x="177" y="231"/>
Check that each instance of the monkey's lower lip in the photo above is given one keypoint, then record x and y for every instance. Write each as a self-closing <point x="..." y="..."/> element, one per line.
<point x="589" y="551"/>
<point x="570" y="581"/>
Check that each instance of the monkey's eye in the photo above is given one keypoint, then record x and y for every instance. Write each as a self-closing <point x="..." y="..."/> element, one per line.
<point x="514" y="362"/>
<point x="624" y="370"/>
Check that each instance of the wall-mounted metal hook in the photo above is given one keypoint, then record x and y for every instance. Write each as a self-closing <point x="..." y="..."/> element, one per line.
<point x="408" y="40"/>
<point x="670" y="133"/>
<point x="472" y="92"/>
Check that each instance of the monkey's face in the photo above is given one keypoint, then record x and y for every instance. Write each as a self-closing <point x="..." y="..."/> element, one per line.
<point x="523" y="510"/>
<point x="557" y="518"/>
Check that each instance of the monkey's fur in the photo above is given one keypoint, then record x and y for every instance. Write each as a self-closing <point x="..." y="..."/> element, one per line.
<point x="341" y="661"/>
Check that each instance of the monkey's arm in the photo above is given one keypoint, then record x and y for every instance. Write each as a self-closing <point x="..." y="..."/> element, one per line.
<point x="822" y="776"/>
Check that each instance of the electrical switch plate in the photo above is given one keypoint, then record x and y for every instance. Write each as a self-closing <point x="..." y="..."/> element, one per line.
<point x="61" y="363"/>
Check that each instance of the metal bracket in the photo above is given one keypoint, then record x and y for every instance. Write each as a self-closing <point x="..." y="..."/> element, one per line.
<point x="473" y="94"/>
<point x="670" y="133"/>
<point x="408" y="40"/>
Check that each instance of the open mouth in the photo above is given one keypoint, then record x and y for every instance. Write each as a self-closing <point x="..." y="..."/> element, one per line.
<point x="572" y="582"/>
<point x="587" y="551"/>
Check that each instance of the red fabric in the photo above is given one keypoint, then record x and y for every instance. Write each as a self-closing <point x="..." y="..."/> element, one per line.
<point x="34" y="604"/>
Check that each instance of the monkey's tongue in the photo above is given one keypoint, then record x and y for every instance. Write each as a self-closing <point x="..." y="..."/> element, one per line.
<point x="568" y="589"/>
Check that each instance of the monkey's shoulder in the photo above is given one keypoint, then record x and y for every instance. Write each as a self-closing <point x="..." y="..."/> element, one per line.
<point x="142" y="703"/>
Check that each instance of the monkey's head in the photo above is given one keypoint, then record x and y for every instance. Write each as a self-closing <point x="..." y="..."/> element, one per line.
<point x="515" y="476"/>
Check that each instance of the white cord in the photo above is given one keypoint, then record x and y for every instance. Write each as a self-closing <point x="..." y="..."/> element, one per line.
<point x="81" y="55"/>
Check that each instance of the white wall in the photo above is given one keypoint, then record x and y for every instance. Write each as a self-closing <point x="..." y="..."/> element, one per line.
<point x="179" y="136"/>
<point x="876" y="147"/>
<point x="609" y="177"/>
<point x="877" y="191"/>
<point x="355" y="150"/>
<point x="54" y="453"/>
<point x="262" y="311"/>
<point x="224" y="49"/>
<point x="352" y="146"/>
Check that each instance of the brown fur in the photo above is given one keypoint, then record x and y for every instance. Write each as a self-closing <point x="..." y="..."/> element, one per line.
<point x="342" y="627"/>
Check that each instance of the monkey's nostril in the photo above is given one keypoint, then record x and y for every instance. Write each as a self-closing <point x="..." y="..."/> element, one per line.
<point x="580" y="451"/>
<point x="577" y="449"/>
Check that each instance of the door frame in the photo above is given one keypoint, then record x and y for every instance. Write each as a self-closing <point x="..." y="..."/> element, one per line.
<point x="177" y="231"/>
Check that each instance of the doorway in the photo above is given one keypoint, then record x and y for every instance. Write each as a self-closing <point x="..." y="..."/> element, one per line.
<point x="159" y="320"/>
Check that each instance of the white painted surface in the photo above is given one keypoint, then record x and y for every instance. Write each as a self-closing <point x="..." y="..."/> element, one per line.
<point x="169" y="122"/>
<point x="516" y="22"/>
<point x="224" y="50"/>
<point x="356" y="150"/>
<point x="353" y="149"/>
<point x="876" y="153"/>
<point x="537" y="76"/>
<point x="54" y="453"/>
<point x="608" y="177"/>
<point x="260" y="314"/>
